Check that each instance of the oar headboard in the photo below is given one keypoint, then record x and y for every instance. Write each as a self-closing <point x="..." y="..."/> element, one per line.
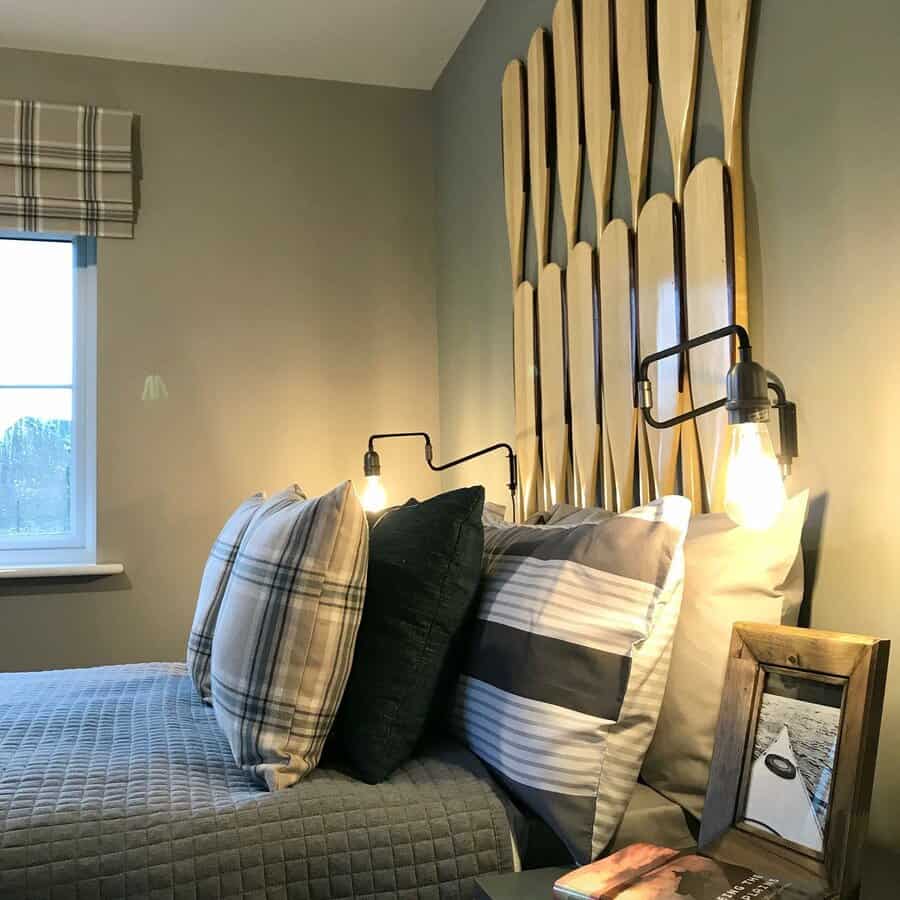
<point x="675" y="270"/>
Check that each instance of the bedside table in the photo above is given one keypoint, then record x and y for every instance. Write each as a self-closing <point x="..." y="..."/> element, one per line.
<point x="535" y="884"/>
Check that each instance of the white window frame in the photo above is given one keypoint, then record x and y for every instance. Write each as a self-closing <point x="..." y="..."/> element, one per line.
<point x="79" y="546"/>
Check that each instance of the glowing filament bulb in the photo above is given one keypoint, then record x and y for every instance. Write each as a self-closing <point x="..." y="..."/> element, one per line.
<point x="754" y="489"/>
<point x="374" y="498"/>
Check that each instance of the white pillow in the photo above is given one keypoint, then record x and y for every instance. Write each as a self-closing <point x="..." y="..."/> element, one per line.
<point x="567" y="662"/>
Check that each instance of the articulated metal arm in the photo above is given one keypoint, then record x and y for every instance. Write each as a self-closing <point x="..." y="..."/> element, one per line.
<point x="373" y="463"/>
<point x="645" y="390"/>
<point x="747" y="396"/>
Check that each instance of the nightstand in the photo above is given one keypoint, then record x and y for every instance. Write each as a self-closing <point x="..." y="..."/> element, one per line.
<point x="535" y="884"/>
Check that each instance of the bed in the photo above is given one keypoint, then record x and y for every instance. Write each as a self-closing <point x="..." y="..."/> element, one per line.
<point x="117" y="782"/>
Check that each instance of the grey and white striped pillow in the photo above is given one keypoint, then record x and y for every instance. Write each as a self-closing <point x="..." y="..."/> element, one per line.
<point x="569" y="659"/>
<point x="284" y="641"/>
<point x="212" y="590"/>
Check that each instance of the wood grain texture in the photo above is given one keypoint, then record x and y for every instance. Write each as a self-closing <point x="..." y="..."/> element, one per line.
<point x="632" y="52"/>
<point x="581" y="310"/>
<point x="514" y="165"/>
<point x="728" y="24"/>
<point x="567" y="84"/>
<point x="690" y="468"/>
<point x="709" y="289"/>
<point x="599" y="114"/>
<point x="678" y="43"/>
<point x="529" y="497"/>
<point x="658" y="304"/>
<point x="861" y="664"/>
<point x="554" y="429"/>
<point x="538" y="141"/>
<point x="616" y="362"/>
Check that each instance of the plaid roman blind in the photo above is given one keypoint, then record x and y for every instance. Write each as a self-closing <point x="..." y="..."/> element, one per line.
<point x="66" y="169"/>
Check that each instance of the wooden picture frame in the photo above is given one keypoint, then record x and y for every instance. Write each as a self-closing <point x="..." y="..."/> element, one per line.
<point x="848" y="672"/>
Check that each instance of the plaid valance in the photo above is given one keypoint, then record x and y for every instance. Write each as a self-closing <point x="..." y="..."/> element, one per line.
<point x="66" y="169"/>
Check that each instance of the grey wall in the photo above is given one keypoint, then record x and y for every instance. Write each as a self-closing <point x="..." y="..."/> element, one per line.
<point x="281" y="281"/>
<point x="823" y="131"/>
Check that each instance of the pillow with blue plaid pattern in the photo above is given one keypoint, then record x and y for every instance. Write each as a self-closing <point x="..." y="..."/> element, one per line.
<point x="284" y="642"/>
<point x="212" y="590"/>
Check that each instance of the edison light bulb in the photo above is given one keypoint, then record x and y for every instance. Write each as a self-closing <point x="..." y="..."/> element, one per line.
<point x="754" y="489"/>
<point x="374" y="498"/>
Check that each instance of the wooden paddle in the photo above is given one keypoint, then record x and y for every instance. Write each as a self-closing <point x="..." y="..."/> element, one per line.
<point x="634" y="94"/>
<point x="554" y="429"/>
<point x="599" y="114"/>
<point x="728" y="22"/>
<point x="538" y="146"/>
<point x="658" y="250"/>
<point x="619" y="443"/>
<point x="514" y="150"/>
<point x="569" y="149"/>
<point x="633" y="54"/>
<point x="709" y="285"/>
<point x="529" y="499"/>
<point x="514" y="183"/>
<point x="678" y="42"/>
<point x="581" y="309"/>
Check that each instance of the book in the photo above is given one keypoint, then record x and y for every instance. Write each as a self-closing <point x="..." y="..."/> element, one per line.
<point x="648" y="872"/>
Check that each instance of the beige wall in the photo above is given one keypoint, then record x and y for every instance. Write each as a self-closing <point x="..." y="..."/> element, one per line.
<point x="823" y="133"/>
<point x="281" y="281"/>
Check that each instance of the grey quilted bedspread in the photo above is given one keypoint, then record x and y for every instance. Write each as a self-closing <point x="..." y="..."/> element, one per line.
<point x="117" y="782"/>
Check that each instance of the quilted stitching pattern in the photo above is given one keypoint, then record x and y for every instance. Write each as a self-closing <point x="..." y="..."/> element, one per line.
<point x="117" y="782"/>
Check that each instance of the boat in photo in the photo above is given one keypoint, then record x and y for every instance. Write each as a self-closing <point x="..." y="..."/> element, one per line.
<point x="777" y="799"/>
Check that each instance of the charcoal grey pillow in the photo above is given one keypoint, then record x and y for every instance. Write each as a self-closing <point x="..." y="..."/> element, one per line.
<point x="424" y="567"/>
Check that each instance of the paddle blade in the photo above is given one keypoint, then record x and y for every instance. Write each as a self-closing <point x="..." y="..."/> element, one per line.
<point x="514" y="164"/>
<point x="554" y="428"/>
<point x="526" y="401"/>
<point x="581" y="309"/>
<point x="728" y="23"/>
<point x="632" y="50"/>
<point x="599" y="117"/>
<point x="615" y="340"/>
<point x="567" y="82"/>
<point x="538" y="138"/>
<point x="709" y="290"/>
<point x="678" y="41"/>
<point x="658" y="303"/>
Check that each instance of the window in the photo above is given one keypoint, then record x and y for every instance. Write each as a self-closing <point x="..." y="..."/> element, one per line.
<point x="48" y="325"/>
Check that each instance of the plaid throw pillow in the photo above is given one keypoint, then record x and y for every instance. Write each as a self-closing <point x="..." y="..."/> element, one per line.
<point x="568" y="662"/>
<point x="212" y="589"/>
<point x="284" y="642"/>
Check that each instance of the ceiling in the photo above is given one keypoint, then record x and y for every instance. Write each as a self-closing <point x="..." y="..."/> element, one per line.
<point x="400" y="43"/>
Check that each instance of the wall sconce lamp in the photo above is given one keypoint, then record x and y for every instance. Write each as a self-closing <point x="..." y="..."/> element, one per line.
<point x="754" y="480"/>
<point x="374" y="497"/>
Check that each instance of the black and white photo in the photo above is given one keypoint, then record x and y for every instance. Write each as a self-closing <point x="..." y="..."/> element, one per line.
<point x="794" y="751"/>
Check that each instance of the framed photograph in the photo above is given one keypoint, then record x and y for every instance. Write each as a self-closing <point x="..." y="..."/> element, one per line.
<point x="794" y="760"/>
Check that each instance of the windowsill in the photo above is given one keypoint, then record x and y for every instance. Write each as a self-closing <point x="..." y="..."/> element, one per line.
<point x="62" y="570"/>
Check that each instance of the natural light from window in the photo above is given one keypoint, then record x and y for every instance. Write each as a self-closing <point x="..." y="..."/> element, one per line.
<point x="36" y="387"/>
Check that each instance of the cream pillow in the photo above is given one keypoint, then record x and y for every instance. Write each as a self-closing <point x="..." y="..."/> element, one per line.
<point x="732" y="574"/>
